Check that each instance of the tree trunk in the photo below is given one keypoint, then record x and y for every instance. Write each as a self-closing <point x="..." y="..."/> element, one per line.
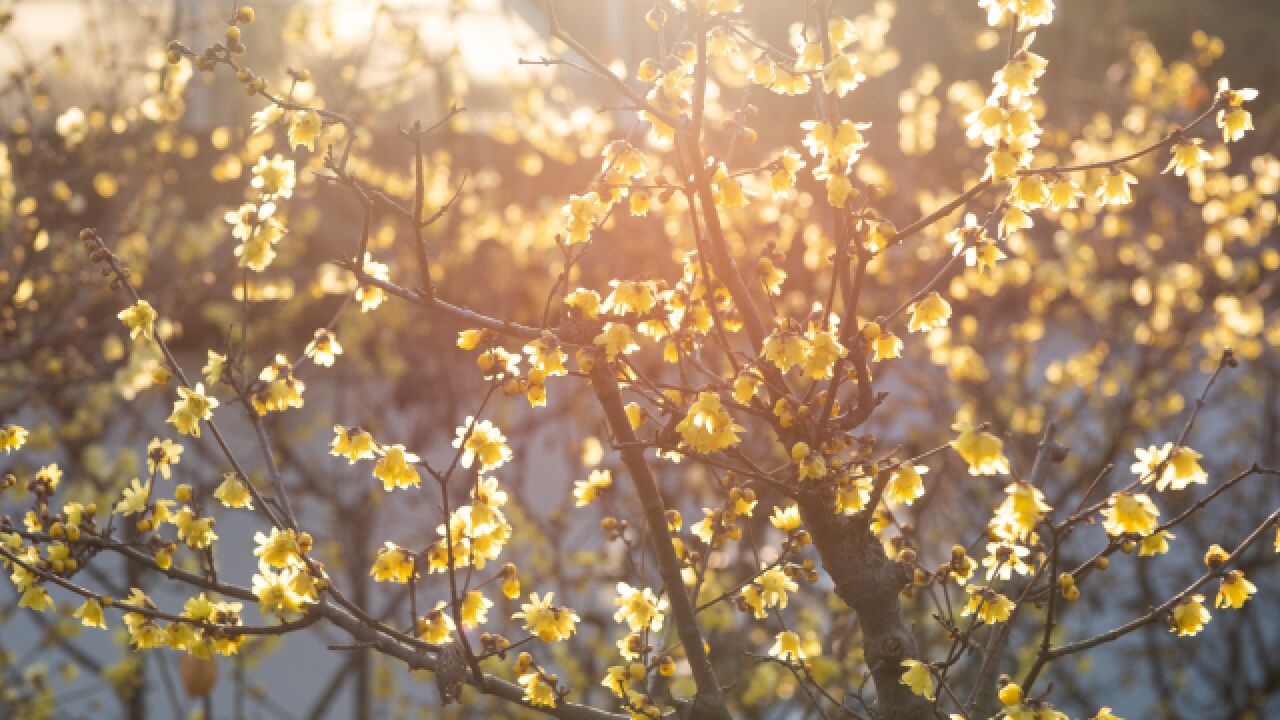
<point x="870" y="583"/>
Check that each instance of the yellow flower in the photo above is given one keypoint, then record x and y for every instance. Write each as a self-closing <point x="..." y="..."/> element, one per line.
<point x="232" y="493"/>
<point x="823" y="352"/>
<point x="1029" y="192"/>
<point x="616" y="339"/>
<point x="1106" y="714"/>
<point x="1004" y="161"/>
<point x="475" y="609"/>
<point x="258" y="237"/>
<point x="135" y="497"/>
<point x="1013" y="220"/>
<point x="266" y="117"/>
<point x="839" y="188"/>
<point x="905" y="484"/>
<point x="727" y="192"/>
<point x="708" y="427"/>
<point x="786" y="647"/>
<point x="786" y="519"/>
<point x="841" y="75"/>
<point x="1063" y="195"/>
<point x="161" y="454"/>
<point x="1005" y="558"/>
<point x="918" y="678"/>
<point x="12" y="437"/>
<point x="484" y="442"/>
<point x="395" y="468"/>
<point x="972" y="240"/>
<point x="371" y="296"/>
<point x="617" y="680"/>
<point x="584" y="301"/>
<point x="213" y="367"/>
<point x="983" y="451"/>
<point x="745" y="387"/>
<point x="393" y="564"/>
<point x="545" y="356"/>
<point x="549" y="622"/>
<point x="1215" y="557"/>
<point x="987" y="122"/>
<point x="35" y="598"/>
<point x="639" y="608"/>
<point x="996" y="12"/>
<point x="786" y="349"/>
<point x="1190" y="616"/>
<point x="304" y="129"/>
<point x="586" y="491"/>
<point x="1128" y="513"/>
<point x="581" y="214"/>
<point x="1183" y="470"/>
<point x="839" y="147"/>
<point x="1017" y="79"/>
<point x="257" y="251"/>
<point x="774" y="584"/>
<point x="276" y="592"/>
<point x="49" y="476"/>
<point x="853" y="496"/>
<point x="1233" y="119"/>
<point x="196" y="531"/>
<point x="783" y="179"/>
<point x="771" y="276"/>
<point x="991" y="606"/>
<point x="191" y="407"/>
<point x="323" y="348"/>
<point x="1034" y="13"/>
<point x="638" y="203"/>
<point x="629" y="297"/>
<point x="786" y="82"/>
<point x="886" y="346"/>
<point x="279" y="549"/>
<point x="90" y="614"/>
<point x="930" y="312"/>
<point x="1115" y="190"/>
<point x="354" y="444"/>
<point x="1188" y="155"/>
<point x="1234" y="590"/>
<point x="1023" y="509"/>
<point x="274" y="177"/>
<point x="539" y="690"/>
<point x="437" y="627"/>
<point x="1155" y="544"/>
<point x="139" y="318"/>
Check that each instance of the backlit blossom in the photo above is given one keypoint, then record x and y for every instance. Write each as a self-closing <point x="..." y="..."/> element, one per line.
<point x="786" y="646"/>
<point x="932" y="311"/>
<point x="139" y="318"/>
<point x="918" y="677"/>
<point x="1129" y="513"/>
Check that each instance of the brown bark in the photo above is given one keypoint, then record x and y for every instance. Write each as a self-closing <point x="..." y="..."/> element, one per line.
<point x="869" y="581"/>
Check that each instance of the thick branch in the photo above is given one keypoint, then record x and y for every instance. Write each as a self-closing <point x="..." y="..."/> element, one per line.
<point x="868" y="581"/>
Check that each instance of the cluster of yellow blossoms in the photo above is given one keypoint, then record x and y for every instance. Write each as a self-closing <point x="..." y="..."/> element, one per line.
<point x="284" y="583"/>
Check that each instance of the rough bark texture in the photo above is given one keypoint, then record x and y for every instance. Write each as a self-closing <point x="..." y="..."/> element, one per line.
<point x="869" y="582"/>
